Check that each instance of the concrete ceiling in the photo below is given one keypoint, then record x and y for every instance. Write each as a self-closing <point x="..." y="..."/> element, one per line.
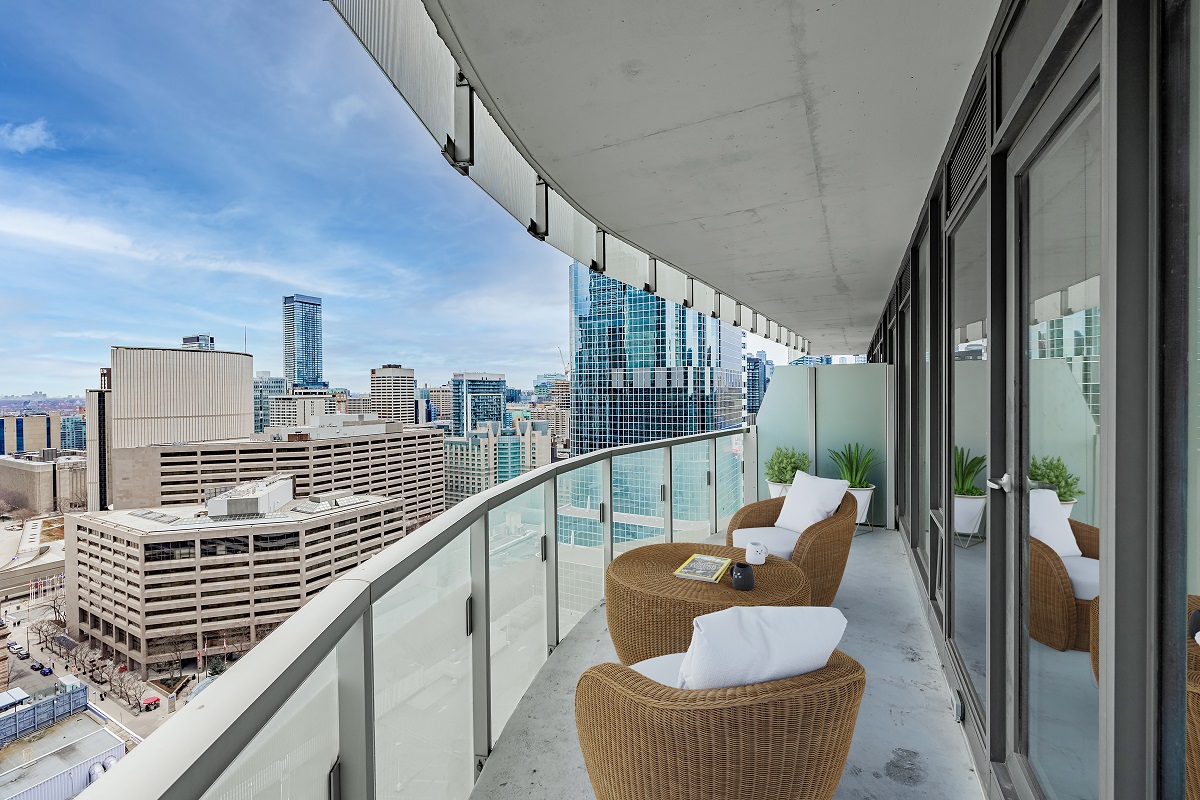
<point x="778" y="151"/>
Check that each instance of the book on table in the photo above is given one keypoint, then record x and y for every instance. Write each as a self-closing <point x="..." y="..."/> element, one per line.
<point x="704" y="568"/>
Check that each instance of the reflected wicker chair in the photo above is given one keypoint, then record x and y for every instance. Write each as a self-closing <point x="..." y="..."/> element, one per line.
<point x="1192" y="736"/>
<point x="822" y="549"/>
<point x="1056" y="617"/>
<point x="781" y="740"/>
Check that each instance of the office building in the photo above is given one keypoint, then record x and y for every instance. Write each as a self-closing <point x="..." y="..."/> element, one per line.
<point x="73" y="432"/>
<point x="255" y="555"/>
<point x="357" y="405"/>
<point x="558" y="417"/>
<point x="476" y="397"/>
<point x="393" y="393"/>
<point x="266" y="386"/>
<point x="441" y="398"/>
<point x="542" y="384"/>
<point x="200" y="341"/>
<point x="756" y="383"/>
<point x="303" y="346"/>
<point x="44" y="482"/>
<point x="357" y="453"/>
<point x="644" y="368"/>
<point x="299" y="405"/>
<point x="560" y="392"/>
<point x="159" y="396"/>
<point x="491" y="454"/>
<point x="762" y="356"/>
<point x="30" y="432"/>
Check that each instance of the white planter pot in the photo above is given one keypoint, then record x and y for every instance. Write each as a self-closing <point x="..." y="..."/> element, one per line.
<point x="778" y="489"/>
<point x="1069" y="507"/>
<point x="863" y="496"/>
<point x="968" y="513"/>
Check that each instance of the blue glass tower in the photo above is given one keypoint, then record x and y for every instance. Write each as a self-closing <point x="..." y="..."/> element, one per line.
<point x="303" y="350"/>
<point x="756" y="383"/>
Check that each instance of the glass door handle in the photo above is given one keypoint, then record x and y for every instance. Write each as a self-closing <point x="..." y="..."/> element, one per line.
<point x="1003" y="483"/>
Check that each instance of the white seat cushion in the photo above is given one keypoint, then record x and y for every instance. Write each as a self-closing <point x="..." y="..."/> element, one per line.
<point x="1084" y="573"/>
<point x="779" y="541"/>
<point x="809" y="501"/>
<point x="754" y="644"/>
<point x="662" y="669"/>
<point x="1048" y="521"/>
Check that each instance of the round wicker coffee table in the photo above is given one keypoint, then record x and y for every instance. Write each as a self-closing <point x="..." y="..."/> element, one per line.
<point x="650" y="610"/>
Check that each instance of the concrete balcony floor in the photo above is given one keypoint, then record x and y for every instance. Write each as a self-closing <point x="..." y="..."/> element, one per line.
<point x="906" y="742"/>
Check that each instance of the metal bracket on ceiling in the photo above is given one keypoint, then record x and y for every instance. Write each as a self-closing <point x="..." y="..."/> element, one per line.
<point x="459" y="149"/>
<point x="652" y="276"/>
<point x="539" y="226"/>
<point x="597" y="264"/>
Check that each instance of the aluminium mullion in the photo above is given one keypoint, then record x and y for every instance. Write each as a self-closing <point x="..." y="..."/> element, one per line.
<point x="550" y="493"/>
<point x="606" y="509"/>
<point x="481" y="663"/>
<point x="668" y="496"/>
<point x="713" y="515"/>
<point x="355" y="655"/>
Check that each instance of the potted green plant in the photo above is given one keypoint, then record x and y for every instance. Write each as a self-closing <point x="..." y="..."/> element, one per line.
<point x="1053" y="470"/>
<point x="854" y="463"/>
<point x="782" y="467"/>
<point x="969" y="499"/>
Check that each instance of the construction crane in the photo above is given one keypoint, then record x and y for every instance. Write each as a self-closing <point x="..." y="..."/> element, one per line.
<point x="563" y="359"/>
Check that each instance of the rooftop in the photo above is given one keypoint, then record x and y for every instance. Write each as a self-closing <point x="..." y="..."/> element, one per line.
<point x="33" y="760"/>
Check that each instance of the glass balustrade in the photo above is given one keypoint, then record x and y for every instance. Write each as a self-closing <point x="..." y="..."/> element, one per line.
<point x="416" y="675"/>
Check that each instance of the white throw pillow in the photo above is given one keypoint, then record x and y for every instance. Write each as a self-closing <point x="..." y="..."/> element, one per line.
<point x="1084" y="573"/>
<point x="754" y="644"/>
<point x="1048" y="521"/>
<point x="809" y="501"/>
<point x="661" y="669"/>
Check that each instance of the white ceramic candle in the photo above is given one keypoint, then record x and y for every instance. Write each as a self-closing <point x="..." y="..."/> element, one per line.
<point x="756" y="553"/>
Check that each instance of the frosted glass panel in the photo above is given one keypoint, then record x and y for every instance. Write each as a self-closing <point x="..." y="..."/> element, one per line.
<point x="517" y="578"/>
<point x="500" y="170"/>
<point x="570" y="231"/>
<point x="729" y="479"/>
<point x="402" y="39"/>
<point x="691" y="496"/>
<point x="705" y="297"/>
<point x="423" y="746"/>
<point x="625" y="263"/>
<point x="638" y="507"/>
<point x="580" y="551"/>
<point x="293" y="753"/>
<point x="672" y="284"/>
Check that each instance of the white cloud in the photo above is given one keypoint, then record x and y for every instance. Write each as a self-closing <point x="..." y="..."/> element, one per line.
<point x="23" y="138"/>
<point x="65" y="231"/>
<point x="345" y="110"/>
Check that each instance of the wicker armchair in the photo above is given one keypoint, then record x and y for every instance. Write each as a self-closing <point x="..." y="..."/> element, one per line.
<point x="822" y="549"/>
<point x="1193" y="649"/>
<point x="781" y="740"/>
<point x="1056" y="617"/>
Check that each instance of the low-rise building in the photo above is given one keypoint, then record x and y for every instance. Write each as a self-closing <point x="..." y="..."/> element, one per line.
<point x="152" y="586"/>
<point x="44" y="482"/>
<point x="490" y="455"/>
<point x="300" y="405"/>
<point x="30" y="433"/>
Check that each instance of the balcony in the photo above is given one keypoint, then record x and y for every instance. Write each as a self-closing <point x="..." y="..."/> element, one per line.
<point x="432" y="657"/>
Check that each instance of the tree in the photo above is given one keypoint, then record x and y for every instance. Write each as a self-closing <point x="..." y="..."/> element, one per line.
<point x="104" y="671"/>
<point x="45" y="631"/>
<point x="58" y="606"/>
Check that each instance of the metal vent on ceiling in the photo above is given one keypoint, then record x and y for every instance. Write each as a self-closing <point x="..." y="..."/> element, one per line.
<point x="968" y="152"/>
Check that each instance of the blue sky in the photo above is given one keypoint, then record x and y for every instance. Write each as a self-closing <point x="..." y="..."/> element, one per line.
<point x="168" y="169"/>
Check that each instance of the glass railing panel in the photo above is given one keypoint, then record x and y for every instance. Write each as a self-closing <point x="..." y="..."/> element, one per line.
<point x="423" y="724"/>
<point x="517" y="599"/>
<point x="292" y="755"/>
<point x="729" y="479"/>
<point x="638" y="507"/>
<point x="580" y="545"/>
<point x="691" y="496"/>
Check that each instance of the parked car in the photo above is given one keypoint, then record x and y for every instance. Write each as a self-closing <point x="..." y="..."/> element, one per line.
<point x="21" y="654"/>
<point x="47" y="671"/>
<point x="151" y="703"/>
<point x="13" y="646"/>
<point x="36" y="666"/>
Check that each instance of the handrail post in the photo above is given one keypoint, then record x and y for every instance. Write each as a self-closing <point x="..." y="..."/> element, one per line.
<point x="750" y="465"/>
<point x="550" y="490"/>
<point x="356" y="709"/>
<point x="713" y="515"/>
<point x="606" y="510"/>
<point x="668" y="497"/>
<point x="481" y="634"/>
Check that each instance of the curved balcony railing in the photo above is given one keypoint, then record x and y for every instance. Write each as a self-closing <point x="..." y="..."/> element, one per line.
<point x="396" y="680"/>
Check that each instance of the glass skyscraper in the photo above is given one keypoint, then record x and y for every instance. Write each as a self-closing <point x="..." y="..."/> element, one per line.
<point x="477" y="397"/>
<point x="757" y="380"/>
<point x="303" y="351"/>
<point x="644" y="368"/>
